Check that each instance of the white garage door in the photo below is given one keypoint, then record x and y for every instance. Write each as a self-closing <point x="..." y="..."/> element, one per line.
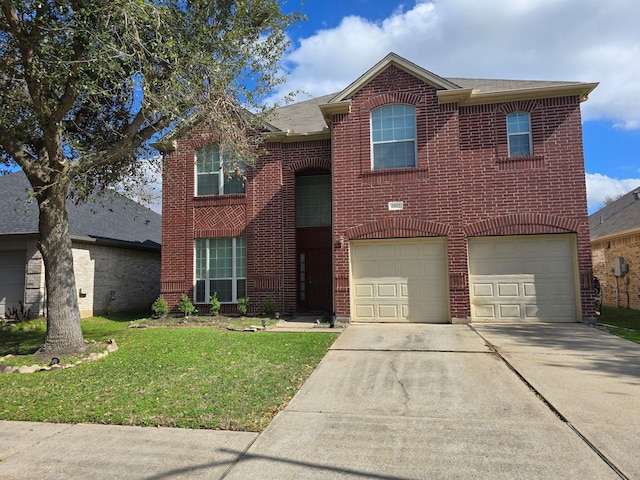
<point x="11" y="280"/>
<point x="399" y="280"/>
<point x="523" y="278"/>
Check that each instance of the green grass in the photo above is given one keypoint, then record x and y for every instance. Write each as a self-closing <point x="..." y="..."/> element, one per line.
<point x="178" y="377"/>
<point x="625" y="322"/>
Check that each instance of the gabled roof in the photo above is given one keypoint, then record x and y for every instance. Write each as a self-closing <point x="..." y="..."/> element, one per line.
<point x="619" y="217"/>
<point x="311" y="117"/>
<point x="110" y="219"/>
<point x="403" y="64"/>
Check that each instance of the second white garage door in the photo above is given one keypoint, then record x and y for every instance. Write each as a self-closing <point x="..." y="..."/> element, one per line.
<point x="399" y="280"/>
<point x="523" y="278"/>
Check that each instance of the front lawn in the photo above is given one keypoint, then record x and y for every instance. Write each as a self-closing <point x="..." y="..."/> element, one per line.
<point x="623" y="322"/>
<point x="203" y="377"/>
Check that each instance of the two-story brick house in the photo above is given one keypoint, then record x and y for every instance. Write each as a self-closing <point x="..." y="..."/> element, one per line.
<point x="405" y="197"/>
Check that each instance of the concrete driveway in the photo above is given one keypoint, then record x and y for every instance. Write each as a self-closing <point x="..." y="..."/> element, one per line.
<point x="438" y="401"/>
<point x="395" y="402"/>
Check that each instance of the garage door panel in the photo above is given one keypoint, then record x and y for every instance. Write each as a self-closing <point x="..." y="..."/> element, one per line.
<point x="508" y="290"/>
<point x="484" y="311"/>
<point x="388" y="311"/>
<point x="523" y="278"/>
<point x="364" y="291"/>
<point x="406" y="278"/>
<point x="387" y="290"/>
<point x="483" y="289"/>
<point x="509" y="311"/>
<point x="365" y="311"/>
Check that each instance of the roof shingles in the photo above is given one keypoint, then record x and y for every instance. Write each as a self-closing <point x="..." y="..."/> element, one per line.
<point x="619" y="216"/>
<point x="108" y="218"/>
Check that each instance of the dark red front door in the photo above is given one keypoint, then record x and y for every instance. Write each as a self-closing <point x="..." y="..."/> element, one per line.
<point x="314" y="269"/>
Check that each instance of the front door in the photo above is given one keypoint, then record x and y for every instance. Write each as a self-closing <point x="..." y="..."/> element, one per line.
<point x="313" y="239"/>
<point x="314" y="269"/>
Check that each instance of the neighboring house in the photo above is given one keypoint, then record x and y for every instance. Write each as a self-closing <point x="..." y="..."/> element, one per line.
<point x="615" y="250"/>
<point x="407" y="197"/>
<point x="116" y="252"/>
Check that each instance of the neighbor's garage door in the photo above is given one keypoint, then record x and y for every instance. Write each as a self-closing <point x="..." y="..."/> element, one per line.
<point x="399" y="280"/>
<point x="11" y="279"/>
<point x="523" y="278"/>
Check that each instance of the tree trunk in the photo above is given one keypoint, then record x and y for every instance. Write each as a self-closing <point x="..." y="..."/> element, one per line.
<point x="64" y="333"/>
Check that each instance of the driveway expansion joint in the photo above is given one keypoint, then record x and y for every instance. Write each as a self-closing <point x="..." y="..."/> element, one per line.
<point x="550" y="406"/>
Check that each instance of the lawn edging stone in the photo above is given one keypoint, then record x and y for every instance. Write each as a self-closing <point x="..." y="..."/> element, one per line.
<point x="54" y="363"/>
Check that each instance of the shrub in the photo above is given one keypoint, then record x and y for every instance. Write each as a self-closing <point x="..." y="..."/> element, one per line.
<point x="160" y="307"/>
<point x="185" y="306"/>
<point x="14" y="315"/>
<point x="243" y="305"/>
<point x="269" y="306"/>
<point x="215" y="304"/>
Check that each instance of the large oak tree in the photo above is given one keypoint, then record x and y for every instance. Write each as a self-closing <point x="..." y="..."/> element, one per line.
<point x="86" y="85"/>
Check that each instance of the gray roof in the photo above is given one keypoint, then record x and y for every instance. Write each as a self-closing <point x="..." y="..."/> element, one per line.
<point x="487" y="85"/>
<point x="618" y="216"/>
<point x="301" y="117"/>
<point x="306" y="117"/>
<point x="110" y="218"/>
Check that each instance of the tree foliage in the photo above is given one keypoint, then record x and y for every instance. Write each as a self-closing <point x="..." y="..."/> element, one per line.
<point x="609" y="199"/>
<point x="85" y="85"/>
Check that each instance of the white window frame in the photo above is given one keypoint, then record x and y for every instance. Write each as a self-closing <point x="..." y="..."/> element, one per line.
<point x="220" y="174"/>
<point x="208" y="277"/>
<point x="394" y="140"/>
<point x="511" y="134"/>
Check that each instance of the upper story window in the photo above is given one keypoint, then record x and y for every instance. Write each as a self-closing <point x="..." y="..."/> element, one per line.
<point x="217" y="175"/>
<point x="519" y="134"/>
<point x="393" y="137"/>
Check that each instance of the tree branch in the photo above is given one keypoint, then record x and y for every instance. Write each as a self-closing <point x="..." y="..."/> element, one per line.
<point x="16" y="149"/>
<point x="70" y="92"/>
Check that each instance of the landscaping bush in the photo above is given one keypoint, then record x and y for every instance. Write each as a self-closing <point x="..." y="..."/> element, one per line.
<point x="269" y="306"/>
<point x="160" y="307"/>
<point x="215" y="304"/>
<point x="243" y="305"/>
<point x="185" y="306"/>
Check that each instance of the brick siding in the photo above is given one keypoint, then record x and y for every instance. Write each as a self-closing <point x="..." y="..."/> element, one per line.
<point x="464" y="185"/>
<point x="615" y="292"/>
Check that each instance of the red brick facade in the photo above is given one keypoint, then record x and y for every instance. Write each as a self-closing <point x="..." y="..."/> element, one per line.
<point x="464" y="185"/>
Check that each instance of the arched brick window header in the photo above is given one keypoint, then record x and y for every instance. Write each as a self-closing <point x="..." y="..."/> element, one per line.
<point x="310" y="163"/>
<point x="393" y="97"/>
<point x="522" y="224"/>
<point x="397" y="228"/>
<point x="521" y="106"/>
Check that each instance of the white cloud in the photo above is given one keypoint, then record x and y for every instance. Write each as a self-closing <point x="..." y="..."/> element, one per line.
<point x="601" y="187"/>
<point x="582" y="40"/>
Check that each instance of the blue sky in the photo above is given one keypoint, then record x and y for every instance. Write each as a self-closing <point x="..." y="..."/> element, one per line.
<point x="574" y="40"/>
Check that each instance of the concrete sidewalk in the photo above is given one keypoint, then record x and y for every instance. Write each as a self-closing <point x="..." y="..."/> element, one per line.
<point x="395" y="402"/>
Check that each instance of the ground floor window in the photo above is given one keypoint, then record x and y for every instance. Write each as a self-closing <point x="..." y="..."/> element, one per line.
<point x="221" y="267"/>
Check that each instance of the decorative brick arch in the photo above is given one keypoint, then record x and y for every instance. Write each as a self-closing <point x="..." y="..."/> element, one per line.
<point x="200" y="138"/>
<point x="309" y="163"/>
<point x="393" y="97"/>
<point x="520" y="106"/>
<point x="397" y="228"/>
<point x="522" y="224"/>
